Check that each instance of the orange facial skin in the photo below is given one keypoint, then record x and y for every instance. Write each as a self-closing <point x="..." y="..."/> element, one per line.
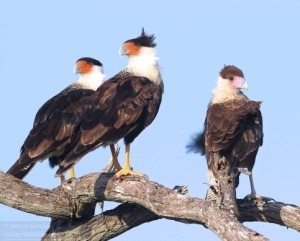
<point x="84" y="67"/>
<point x="131" y="48"/>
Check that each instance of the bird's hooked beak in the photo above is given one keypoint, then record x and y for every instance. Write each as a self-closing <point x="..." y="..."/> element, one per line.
<point x="122" y="51"/>
<point x="76" y="69"/>
<point x="240" y="83"/>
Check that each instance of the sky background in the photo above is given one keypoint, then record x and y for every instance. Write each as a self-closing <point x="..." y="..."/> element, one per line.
<point x="40" y="42"/>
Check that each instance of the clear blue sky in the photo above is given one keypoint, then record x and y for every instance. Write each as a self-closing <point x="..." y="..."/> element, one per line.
<point x="40" y="42"/>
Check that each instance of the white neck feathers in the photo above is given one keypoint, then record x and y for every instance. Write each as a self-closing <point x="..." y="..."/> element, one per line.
<point x="145" y="64"/>
<point x="223" y="92"/>
<point x="93" y="79"/>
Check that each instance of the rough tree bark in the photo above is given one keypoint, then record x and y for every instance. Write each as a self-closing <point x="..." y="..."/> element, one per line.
<point x="71" y="207"/>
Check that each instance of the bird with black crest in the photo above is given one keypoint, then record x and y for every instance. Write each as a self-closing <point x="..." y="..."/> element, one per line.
<point x="122" y="107"/>
<point x="56" y="120"/>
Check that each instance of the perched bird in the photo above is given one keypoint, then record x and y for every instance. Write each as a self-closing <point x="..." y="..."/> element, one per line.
<point x="233" y="129"/>
<point x="55" y="121"/>
<point x="122" y="107"/>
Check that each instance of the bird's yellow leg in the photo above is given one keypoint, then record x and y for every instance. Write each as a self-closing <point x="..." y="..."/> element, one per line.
<point x="126" y="170"/>
<point x="72" y="175"/>
<point x="72" y="172"/>
<point x="117" y="166"/>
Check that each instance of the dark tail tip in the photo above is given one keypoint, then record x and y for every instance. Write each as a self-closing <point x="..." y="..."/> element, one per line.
<point x="21" y="167"/>
<point x="197" y="144"/>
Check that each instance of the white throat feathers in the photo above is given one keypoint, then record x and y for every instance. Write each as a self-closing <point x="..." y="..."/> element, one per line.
<point x="224" y="92"/>
<point x="145" y="64"/>
<point x="93" y="79"/>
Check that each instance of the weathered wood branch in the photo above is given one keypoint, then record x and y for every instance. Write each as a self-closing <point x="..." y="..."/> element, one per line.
<point x="126" y="216"/>
<point x="43" y="202"/>
<point x="287" y="215"/>
<point x="106" y="225"/>
<point x="101" y="227"/>
<point x="226" y="196"/>
<point x="69" y="200"/>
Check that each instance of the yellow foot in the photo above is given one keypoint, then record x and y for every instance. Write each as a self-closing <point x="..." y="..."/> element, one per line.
<point x="128" y="171"/>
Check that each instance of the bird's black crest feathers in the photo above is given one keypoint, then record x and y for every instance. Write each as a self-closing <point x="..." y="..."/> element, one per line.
<point x="144" y="40"/>
<point x="91" y="60"/>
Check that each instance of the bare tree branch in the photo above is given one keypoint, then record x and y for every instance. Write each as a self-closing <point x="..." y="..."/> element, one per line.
<point x="69" y="201"/>
<point x="101" y="227"/>
<point x="20" y="195"/>
<point x="105" y="226"/>
<point x="126" y="216"/>
<point x="273" y="212"/>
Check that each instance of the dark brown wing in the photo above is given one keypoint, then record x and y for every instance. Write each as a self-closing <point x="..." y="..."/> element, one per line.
<point x="53" y="126"/>
<point x="121" y="108"/>
<point x="233" y="131"/>
<point x="246" y="147"/>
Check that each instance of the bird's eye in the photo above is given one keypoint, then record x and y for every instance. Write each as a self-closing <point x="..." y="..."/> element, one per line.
<point x="231" y="78"/>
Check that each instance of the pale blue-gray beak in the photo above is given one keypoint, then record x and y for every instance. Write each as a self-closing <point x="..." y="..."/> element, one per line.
<point x="122" y="51"/>
<point x="244" y="85"/>
<point x="239" y="82"/>
<point x="76" y="69"/>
